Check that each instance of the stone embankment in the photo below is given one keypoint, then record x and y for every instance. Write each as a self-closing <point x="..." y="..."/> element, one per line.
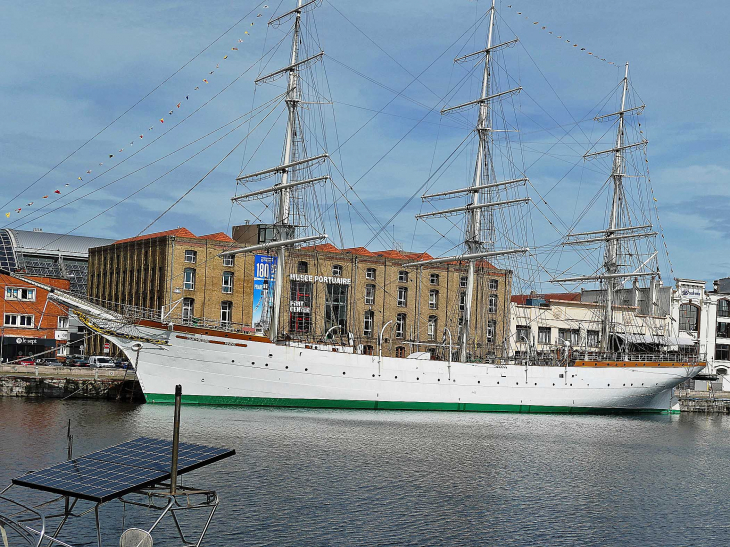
<point x="69" y="382"/>
<point x="711" y="402"/>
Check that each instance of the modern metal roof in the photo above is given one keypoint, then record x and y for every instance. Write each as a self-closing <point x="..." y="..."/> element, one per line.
<point x="50" y="244"/>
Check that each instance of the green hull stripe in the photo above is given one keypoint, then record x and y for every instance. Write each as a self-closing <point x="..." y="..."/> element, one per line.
<point x="390" y="405"/>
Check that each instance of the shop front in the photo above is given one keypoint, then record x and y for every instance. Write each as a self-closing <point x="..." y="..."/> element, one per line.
<point x="14" y="347"/>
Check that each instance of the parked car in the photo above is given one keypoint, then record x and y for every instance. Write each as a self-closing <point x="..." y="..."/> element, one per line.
<point x="99" y="361"/>
<point x="78" y="363"/>
<point x="126" y="365"/>
<point x="26" y="361"/>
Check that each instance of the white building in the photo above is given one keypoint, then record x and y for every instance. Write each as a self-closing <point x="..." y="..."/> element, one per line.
<point x="544" y="323"/>
<point x="705" y="316"/>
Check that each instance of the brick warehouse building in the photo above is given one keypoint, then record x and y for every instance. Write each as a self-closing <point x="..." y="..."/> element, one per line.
<point x="349" y="294"/>
<point x="32" y="324"/>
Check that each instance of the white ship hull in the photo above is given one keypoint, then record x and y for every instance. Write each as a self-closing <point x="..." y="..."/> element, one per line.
<point x="222" y="370"/>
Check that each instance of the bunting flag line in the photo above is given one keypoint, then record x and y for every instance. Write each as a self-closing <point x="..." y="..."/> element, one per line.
<point x="177" y="105"/>
<point x="560" y="37"/>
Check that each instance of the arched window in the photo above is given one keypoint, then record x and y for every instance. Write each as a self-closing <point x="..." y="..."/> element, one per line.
<point x="723" y="308"/>
<point x="689" y="317"/>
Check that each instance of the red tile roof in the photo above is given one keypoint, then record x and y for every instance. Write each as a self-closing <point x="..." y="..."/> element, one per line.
<point x="324" y="248"/>
<point x="179" y="232"/>
<point x="418" y="256"/>
<point x="362" y="251"/>
<point x="561" y="297"/>
<point x="218" y="236"/>
<point x="392" y="254"/>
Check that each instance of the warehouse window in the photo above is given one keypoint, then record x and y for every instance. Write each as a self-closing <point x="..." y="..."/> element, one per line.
<point x="20" y="293"/>
<point x="432" y="327"/>
<point x="433" y="299"/>
<point x="492" y="303"/>
<point x="300" y="307"/>
<point x="367" y="329"/>
<point x="493" y="284"/>
<point x="400" y="352"/>
<point x="226" y="313"/>
<point x="18" y="320"/>
<point x="370" y="273"/>
<point x="543" y="335"/>
<point x="227" y="282"/>
<point x="592" y="338"/>
<point x="188" y="309"/>
<point x="434" y="279"/>
<point x="229" y="260"/>
<point x="400" y="325"/>
<point x="189" y="279"/>
<point x="491" y="329"/>
<point x="723" y="308"/>
<point x="402" y="297"/>
<point x="402" y="276"/>
<point x="463" y="281"/>
<point x="302" y="267"/>
<point x="689" y="315"/>
<point x="336" y="270"/>
<point x="335" y="307"/>
<point x="191" y="256"/>
<point x="370" y="294"/>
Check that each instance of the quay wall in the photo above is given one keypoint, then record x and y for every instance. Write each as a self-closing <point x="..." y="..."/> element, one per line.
<point x="69" y="382"/>
<point x="709" y="402"/>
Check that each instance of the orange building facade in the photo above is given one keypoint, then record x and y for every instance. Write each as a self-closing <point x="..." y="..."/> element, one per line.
<point x="31" y="324"/>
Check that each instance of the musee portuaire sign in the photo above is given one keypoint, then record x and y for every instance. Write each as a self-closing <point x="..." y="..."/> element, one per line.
<point x="321" y="279"/>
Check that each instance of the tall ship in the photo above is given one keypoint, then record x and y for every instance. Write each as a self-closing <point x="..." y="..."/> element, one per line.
<point x="288" y="357"/>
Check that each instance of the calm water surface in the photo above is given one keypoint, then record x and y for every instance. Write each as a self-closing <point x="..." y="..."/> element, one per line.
<point x="309" y="477"/>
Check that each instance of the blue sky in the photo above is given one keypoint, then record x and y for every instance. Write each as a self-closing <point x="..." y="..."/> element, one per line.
<point x="71" y="68"/>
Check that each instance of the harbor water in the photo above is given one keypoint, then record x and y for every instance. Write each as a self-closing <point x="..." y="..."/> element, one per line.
<point x="324" y="477"/>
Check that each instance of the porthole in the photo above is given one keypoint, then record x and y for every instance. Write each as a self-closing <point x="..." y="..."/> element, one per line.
<point x="517" y="383"/>
<point x="253" y="363"/>
<point x="373" y="375"/>
<point x="306" y="369"/>
<point x="233" y="360"/>
<point x="535" y="383"/>
<point x="553" y="385"/>
<point x="417" y="378"/>
<point x="343" y="372"/>
<point x="479" y="381"/>
<point x="287" y="367"/>
<point x="396" y="377"/>
<point x="438" y="380"/>
<point x="266" y="365"/>
<point x="609" y="385"/>
<point x="271" y="354"/>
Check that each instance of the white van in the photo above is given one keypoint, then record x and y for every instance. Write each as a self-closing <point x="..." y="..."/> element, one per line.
<point x="99" y="361"/>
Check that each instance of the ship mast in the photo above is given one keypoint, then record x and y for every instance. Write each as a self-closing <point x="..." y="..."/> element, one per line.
<point x="283" y="221"/>
<point x="616" y="232"/>
<point x="475" y="248"/>
<point x="611" y="262"/>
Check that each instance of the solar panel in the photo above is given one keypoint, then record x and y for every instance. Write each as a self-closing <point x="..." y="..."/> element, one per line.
<point x="112" y="472"/>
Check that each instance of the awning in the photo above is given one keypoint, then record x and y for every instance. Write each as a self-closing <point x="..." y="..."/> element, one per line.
<point x="681" y="340"/>
<point x="636" y="338"/>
